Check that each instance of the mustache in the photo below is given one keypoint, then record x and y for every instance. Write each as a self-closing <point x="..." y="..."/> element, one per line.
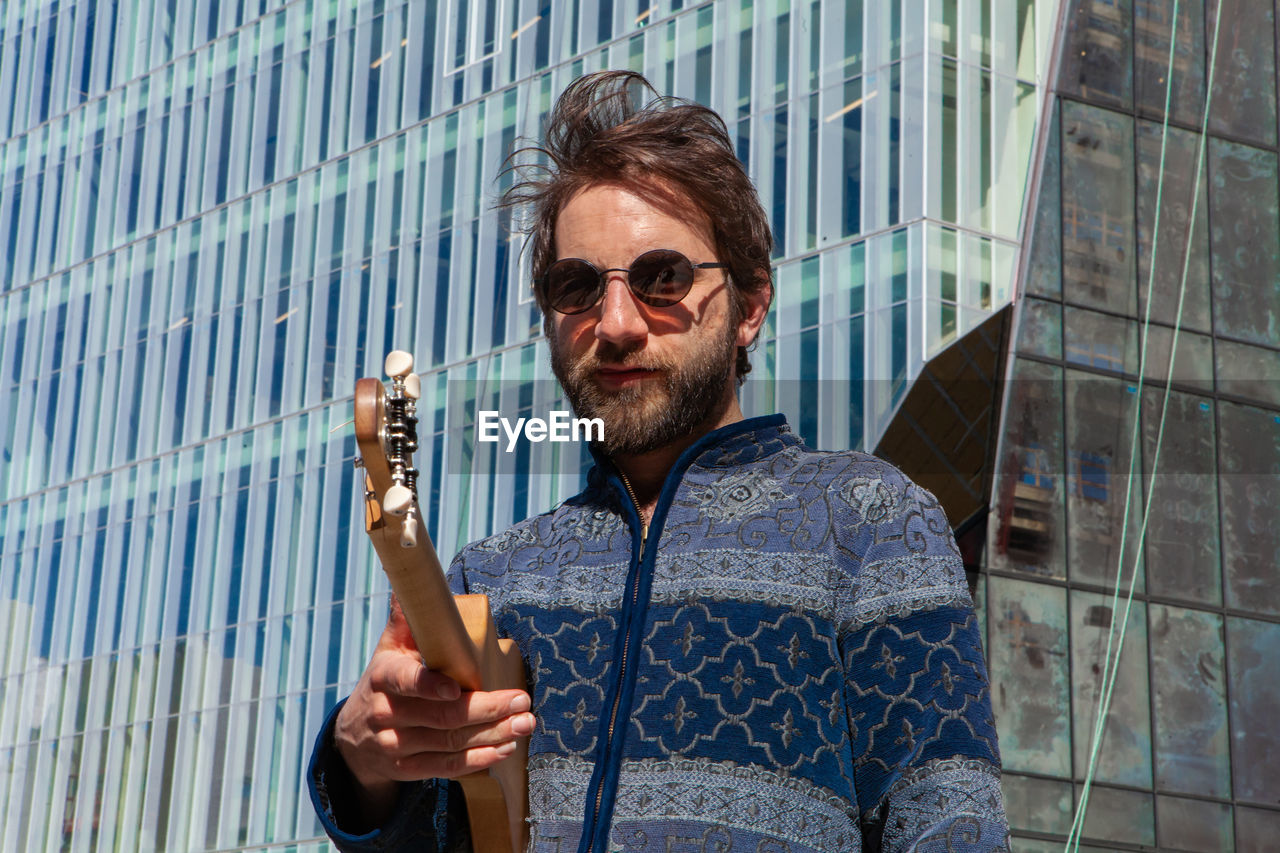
<point x="615" y="356"/>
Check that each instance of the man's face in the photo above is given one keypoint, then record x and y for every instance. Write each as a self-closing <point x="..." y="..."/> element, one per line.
<point x="653" y="375"/>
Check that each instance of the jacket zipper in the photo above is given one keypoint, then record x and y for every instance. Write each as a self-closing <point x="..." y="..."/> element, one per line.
<point x="644" y="525"/>
<point x="665" y="498"/>
<point x="622" y="667"/>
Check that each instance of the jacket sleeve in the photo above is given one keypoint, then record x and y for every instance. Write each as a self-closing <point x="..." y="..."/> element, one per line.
<point x="926" y="761"/>
<point x="429" y="816"/>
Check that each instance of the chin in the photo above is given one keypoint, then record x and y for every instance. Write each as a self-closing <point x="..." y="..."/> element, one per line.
<point x="635" y="403"/>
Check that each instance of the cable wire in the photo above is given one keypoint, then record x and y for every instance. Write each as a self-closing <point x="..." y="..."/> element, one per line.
<point x="1111" y="664"/>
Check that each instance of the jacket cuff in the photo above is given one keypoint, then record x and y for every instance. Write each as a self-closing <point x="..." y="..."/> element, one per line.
<point x="332" y="788"/>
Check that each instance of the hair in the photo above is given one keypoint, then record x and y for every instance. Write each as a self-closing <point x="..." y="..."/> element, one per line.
<point x="667" y="150"/>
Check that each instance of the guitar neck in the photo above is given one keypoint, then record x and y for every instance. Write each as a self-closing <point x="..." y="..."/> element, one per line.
<point x="419" y="584"/>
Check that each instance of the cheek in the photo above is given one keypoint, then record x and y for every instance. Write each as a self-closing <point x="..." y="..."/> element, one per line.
<point x="570" y="333"/>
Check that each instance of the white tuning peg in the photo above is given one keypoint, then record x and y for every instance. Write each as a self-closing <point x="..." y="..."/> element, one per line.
<point x="409" y="535"/>
<point x="398" y="363"/>
<point x="397" y="500"/>
<point x="412" y="386"/>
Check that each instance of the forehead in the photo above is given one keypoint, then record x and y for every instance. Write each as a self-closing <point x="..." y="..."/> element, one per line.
<point x="611" y="220"/>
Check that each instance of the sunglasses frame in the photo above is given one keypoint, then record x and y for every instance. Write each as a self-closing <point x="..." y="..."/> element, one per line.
<point x="602" y="281"/>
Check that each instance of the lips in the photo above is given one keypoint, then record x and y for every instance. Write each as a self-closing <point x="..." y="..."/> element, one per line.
<point x="622" y="376"/>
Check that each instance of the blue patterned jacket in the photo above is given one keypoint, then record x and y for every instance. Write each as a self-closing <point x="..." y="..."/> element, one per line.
<point x="792" y="663"/>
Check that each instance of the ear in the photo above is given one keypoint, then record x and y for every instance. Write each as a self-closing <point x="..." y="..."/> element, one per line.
<point x="755" y="309"/>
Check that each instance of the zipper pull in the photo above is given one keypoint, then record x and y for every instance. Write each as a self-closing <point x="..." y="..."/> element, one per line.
<point x="644" y="525"/>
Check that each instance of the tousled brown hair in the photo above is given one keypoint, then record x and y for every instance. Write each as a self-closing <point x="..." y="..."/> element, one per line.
<point x="666" y="149"/>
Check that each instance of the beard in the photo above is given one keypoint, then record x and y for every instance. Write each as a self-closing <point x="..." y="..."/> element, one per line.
<point x="686" y="398"/>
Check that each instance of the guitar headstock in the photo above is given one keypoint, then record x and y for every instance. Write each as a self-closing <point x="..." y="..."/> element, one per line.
<point x="386" y="423"/>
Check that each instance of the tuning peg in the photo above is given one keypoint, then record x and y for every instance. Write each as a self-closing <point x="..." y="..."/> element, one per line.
<point x="413" y="386"/>
<point x="398" y="363"/>
<point x="409" y="534"/>
<point x="397" y="500"/>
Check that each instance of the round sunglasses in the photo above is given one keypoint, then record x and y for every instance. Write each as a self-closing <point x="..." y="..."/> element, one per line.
<point x="660" y="277"/>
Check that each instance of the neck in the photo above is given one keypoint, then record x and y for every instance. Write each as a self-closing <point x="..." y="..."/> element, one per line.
<point x="646" y="472"/>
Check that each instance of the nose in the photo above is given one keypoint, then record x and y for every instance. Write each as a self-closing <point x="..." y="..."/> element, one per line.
<point x="622" y="321"/>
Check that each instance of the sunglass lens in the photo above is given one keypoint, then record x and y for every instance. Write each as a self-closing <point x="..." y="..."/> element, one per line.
<point x="662" y="277"/>
<point x="573" y="286"/>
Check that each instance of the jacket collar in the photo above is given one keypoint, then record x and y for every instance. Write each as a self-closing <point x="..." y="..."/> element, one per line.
<point x="739" y="443"/>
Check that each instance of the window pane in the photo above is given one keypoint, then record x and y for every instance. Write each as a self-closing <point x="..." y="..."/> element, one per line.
<point x="1153" y="21"/>
<point x="853" y="411"/>
<point x="1045" y="275"/>
<point x="1028" y="533"/>
<point x="1117" y="815"/>
<point x="1245" y="241"/>
<point x="1037" y="805"/>
<point x="1040" y="331"/>
<point x="1194" y="825"/>
<point x="948" y="151"/>
<point x="1125" y="753"/>
<point x="1035" y="845"/>
<point x="852" y="37"/>
<point x="1100" y="415"/>
<point x="1244" y="81"/>
<point x="1192" y="367"/>
<point x="1192" y="752"/>
<point x="1249" y="371"/>
<point x="1256" y="830"/>
<point x="941" y="286"/>
<point x="849" y="288"/>
<point x="1175" y="210"/>
<point x="1097" y="54"/>
<point x="1255" y="694"/>
<point x="1182" y="548"/>
<point x="943" y="28"/>
<point x="1249" y="455"/>
<point x="1100" y="341"/>
<point x="851" y="152"/>
<point x="1026" y="29"/>
<point x="1097" y="208"/>
<point x="1031" y="685"/>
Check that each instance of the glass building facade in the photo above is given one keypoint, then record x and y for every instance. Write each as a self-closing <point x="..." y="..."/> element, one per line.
<point x="1127" y="256"/>
<point x="215" y="216"/>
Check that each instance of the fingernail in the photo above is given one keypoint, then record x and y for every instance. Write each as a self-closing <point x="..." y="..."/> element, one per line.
<point x="448" y="690"/>
<point x="507" y="748"/>
<point x="522" y="725"/>
<point x="518" y="704"/>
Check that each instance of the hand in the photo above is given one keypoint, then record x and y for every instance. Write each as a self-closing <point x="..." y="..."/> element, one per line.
<point x="405" y="722"/>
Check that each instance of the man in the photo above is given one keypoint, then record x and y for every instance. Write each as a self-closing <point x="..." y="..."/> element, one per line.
<point x="733" y="642"/>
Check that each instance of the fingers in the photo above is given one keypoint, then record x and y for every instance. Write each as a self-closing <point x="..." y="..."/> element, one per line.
<point x="402" y="677"/>
<point x="469" y="709"/>
<point x="386" y="737"/>
<point x="403" y="750"/>
<point x="429" y="684"/>
<point x="410" y="740"/>
<point x="404" y="722"/>
<point x="401" y="673"/>
<point x="435" y="765"/>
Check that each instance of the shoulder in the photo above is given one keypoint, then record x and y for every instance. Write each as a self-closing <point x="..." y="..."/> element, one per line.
<point x="889" y="532"/>
<point x="524" y="541"/>
<point x="864" y="489"/>
<point x="850" y="498"/>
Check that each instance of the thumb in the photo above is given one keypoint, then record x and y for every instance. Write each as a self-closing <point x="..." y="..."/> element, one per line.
<point x="396" y="634"/>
